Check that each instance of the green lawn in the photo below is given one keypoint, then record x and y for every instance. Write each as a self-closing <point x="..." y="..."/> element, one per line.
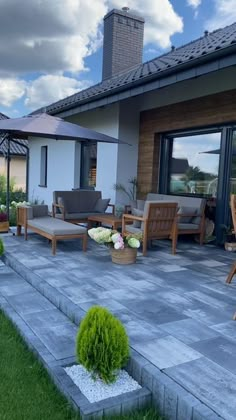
<point x="26" y="390"/>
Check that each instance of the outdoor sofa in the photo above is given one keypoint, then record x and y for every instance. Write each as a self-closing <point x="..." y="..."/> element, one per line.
<point x="191" y="212"/>
<point x="76" y="206"/>
<point x="36" y="218"/>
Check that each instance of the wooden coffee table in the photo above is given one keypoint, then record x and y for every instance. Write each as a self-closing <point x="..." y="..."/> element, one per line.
<point x="105" y="219"/>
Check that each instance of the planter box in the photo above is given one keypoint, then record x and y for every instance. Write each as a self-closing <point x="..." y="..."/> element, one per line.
<point x="4" y="226"/>
<point x="111" y="406"/>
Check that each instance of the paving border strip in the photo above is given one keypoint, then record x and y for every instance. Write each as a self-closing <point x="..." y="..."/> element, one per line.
<point x="170" y="398"/>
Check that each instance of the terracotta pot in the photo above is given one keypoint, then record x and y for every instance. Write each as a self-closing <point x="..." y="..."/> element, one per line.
<point x="124" y="256"/>
<point x="4" y="226"/>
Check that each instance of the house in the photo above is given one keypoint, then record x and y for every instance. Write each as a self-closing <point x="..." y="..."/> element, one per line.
<point x="17" y="159"/>
<point x="178" y="105"/>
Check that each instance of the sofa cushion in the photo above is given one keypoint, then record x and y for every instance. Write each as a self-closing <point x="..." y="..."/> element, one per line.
<point x="137" y="212"/>
<point x="56" y="227"/>
<point x="77" y="201"/>
<point x="188" y="213"/>
<point x="76" y="216"/>
<point x="40" y="210"/>
<point x="61" y="202"/>
<point x="101" y="205"/>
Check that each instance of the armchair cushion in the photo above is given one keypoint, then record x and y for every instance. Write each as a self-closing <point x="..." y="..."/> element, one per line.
<point x="40" y="210"/>
<point x="186" y="211"/>
<point x="101" y="205"/>
<point x="137" y="212"/>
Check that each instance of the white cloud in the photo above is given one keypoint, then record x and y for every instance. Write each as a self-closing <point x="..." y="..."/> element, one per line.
<point x="11" y="90"/>
<point x="224" y="14"/>
<point x="50" y="88"/>
<point x="194" y="3"/>
<point x="43" y="36"/>
<point x="161" y="21"/>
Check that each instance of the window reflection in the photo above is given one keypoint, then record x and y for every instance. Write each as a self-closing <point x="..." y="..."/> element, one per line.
<point x="194" y="164"/>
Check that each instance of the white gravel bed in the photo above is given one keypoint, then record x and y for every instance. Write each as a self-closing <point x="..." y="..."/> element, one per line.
<point x="97" y="390"/>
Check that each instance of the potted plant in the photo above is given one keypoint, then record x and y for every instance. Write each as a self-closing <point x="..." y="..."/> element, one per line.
<point x="4" y="223"/>
<point x="123" y="248"/>
<point x="130" y="191"/>
<point x="229" y="239"/>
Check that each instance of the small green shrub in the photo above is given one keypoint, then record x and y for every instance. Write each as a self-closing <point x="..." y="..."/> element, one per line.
<point x="1" y="247"/>
<point x="102" y="345"/>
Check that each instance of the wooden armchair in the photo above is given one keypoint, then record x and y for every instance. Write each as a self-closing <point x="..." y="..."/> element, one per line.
<point x="159" y="221"/>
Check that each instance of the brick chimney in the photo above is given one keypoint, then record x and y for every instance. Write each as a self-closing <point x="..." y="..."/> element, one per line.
<point x="123" y="42"/>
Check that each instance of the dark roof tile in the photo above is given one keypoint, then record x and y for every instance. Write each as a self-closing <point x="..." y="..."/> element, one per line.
<point x="211" y="42"/>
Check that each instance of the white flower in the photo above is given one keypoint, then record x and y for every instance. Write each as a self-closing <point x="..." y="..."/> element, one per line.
<point x="116" y="237"/>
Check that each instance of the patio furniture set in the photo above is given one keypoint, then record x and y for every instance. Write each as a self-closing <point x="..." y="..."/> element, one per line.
<point x="162" y="216"/>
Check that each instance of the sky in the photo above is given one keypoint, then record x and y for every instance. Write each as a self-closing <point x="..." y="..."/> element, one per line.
<point x="51" y="49"/>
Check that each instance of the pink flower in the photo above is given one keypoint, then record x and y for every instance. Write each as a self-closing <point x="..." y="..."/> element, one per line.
<point x="119" y="244"/>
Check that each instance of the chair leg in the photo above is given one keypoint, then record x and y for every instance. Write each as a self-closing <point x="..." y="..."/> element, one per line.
<point x="18" y="232"/>
<point x="231" y="274"/>
<point x="201" y="237"/>
<point x="144" y="248"/>
<point x="85" y="240"/>
<point x="54" y="246"/>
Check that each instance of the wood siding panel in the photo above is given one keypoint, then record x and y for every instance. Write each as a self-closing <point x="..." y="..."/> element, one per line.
<point x="201" y="112"/>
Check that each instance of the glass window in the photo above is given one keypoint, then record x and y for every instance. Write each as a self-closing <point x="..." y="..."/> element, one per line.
<point x="88" y="165"/>
<point x="194" y="164"/>
<point x="43" y="166"/>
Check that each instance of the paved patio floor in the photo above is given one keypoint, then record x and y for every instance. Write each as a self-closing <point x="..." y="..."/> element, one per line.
<point x="177" y="309"/>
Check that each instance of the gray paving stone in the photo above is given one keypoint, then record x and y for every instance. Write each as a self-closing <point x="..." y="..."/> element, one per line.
<point x="220" y="350"/>
<point x="226" y="329"/>
<point x="189" y="330"/>
<point x="210" y="383"/>
<point x="29" y="302"/>
<point x="59" y="339"/>
<point x="166" y="352"/>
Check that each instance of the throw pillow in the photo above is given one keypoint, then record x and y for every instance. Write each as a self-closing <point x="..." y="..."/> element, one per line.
<point x="186" y="211"/>
<point x="101" y="205"/>
<point x="137" y="212"/>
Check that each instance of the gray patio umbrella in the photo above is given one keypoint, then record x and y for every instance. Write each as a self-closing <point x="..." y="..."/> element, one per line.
<point x="44" y="125"/>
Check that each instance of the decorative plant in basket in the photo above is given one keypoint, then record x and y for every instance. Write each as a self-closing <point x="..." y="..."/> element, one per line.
<point x="229" y="239"/>
<point x="123" y="248"/>
<point x="4" y="223"/>
<point x="102" y="344"/>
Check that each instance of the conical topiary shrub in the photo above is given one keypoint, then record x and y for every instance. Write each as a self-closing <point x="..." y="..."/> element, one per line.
<point x="1" y="247"/>
<point x="102" y="345"/>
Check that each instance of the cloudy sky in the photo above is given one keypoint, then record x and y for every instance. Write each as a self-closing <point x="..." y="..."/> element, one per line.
<point x="52" y="49"/>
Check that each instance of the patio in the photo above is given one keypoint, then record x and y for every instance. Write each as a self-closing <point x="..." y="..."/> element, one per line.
<point x="177" y="309"/>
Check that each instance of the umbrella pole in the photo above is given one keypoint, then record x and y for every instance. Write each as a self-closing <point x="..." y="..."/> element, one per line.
<point x="8" y="179"/>
<point x="27" y="174"/>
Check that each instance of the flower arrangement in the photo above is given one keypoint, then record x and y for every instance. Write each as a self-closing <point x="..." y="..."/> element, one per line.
<point x="114" y="239"/>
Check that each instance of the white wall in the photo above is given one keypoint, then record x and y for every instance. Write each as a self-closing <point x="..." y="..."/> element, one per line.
<point x="104" y="120"/>
<point x="60" y="170"/>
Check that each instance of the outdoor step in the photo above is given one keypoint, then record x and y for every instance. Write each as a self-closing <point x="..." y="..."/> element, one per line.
<point x="51" y="335"/>
<point x="170" y="398"/>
